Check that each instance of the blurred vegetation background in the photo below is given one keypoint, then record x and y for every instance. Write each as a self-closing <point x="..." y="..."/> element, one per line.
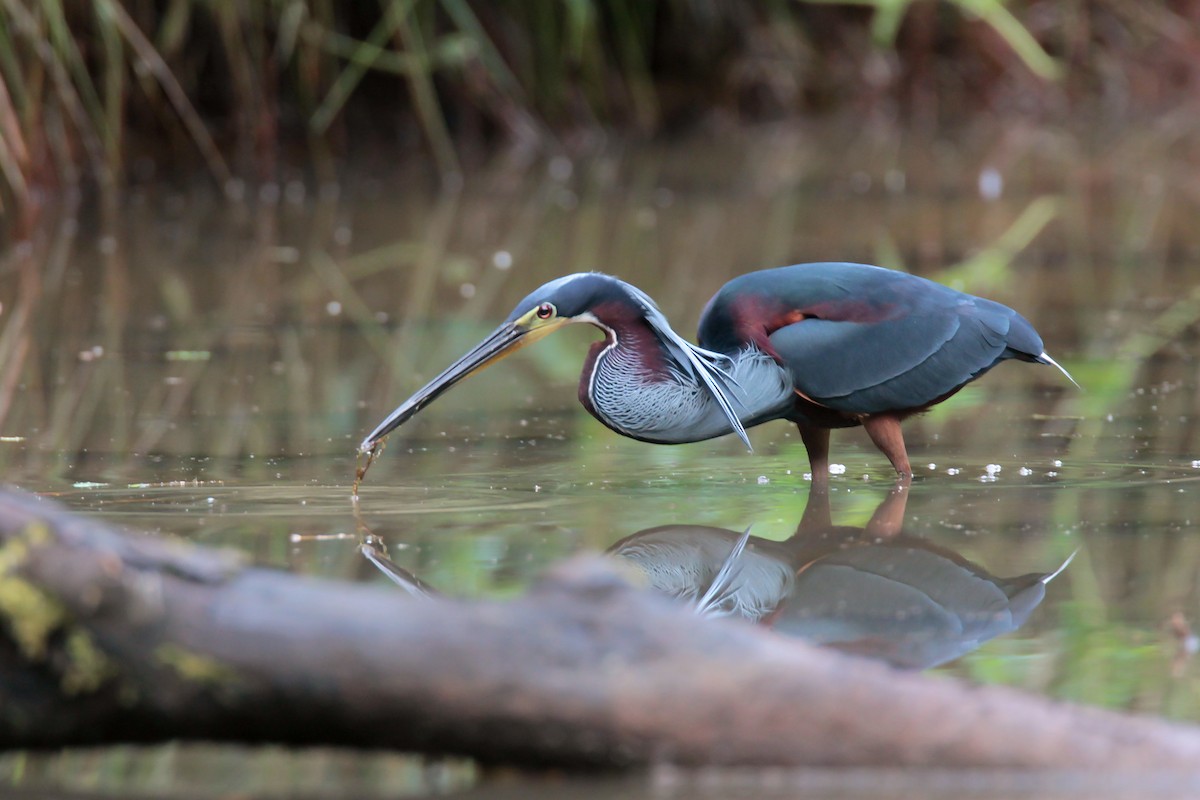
<point x="229" y="243"/>
<point x="111" y="91"/>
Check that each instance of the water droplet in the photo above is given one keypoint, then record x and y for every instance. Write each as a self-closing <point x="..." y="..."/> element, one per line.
<point x="268" y="193"/>
<point x="560" y="168"/>
<point x="991" y="183"/>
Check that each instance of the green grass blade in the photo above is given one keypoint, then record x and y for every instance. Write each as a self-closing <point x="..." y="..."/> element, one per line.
<point x="153" y="63"/>
<point x="1015" y="35"/>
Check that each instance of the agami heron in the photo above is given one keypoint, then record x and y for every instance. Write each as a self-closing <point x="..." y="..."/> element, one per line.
<point x="825" y="345"/>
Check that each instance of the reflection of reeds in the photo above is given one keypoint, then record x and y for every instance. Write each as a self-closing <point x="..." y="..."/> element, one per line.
<point x="231" y="329"/>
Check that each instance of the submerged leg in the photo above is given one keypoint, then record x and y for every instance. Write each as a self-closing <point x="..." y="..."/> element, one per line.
<point x="816" y="442"/>
<point x="884" y="430"/>
<point x="817" y="518"/>
<point x="888" y="519"/>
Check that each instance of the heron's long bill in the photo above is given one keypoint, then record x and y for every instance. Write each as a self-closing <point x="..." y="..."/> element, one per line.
<point x="503" y="341"/>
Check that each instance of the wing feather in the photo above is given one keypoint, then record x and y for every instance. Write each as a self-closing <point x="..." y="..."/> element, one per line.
<point x="907" y="362"/>
<point x="862" y="339"/>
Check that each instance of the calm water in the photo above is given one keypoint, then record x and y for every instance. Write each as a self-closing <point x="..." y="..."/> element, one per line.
<point x="197" y="366"/>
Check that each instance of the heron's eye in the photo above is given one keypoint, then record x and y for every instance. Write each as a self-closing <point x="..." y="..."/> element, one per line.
<point x="545" y="311"/>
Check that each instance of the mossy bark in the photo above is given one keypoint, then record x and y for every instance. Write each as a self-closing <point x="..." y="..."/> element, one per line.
<point x="150" y="640"/>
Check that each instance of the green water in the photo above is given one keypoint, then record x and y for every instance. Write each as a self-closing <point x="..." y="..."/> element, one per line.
<point x="197" y="367"/>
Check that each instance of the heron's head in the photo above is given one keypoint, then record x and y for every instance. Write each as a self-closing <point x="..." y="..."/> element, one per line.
<point x="573" y="298"/>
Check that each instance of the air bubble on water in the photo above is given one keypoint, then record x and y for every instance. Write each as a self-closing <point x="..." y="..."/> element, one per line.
<point x="932" y="466"/>
<point x="1057" y="462"/>
<point x="991" y="183"/>
<point x="763" y="479"/>
<point x="294" y="192"/>
<point x="953" y="471"/>
<point x="1024" y="471"/>
<point x="837" y="469"/>
<point x="560" y="168"/>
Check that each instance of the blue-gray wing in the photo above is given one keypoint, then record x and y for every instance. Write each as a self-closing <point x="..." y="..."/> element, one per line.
<point x="862" y="339"/>
<point x="908" y="361"/>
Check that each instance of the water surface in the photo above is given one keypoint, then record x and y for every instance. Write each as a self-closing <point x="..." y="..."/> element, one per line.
<point x="199" y="367"/>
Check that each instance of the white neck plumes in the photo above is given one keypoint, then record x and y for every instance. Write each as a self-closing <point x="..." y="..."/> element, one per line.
<point x="671" y="406"/>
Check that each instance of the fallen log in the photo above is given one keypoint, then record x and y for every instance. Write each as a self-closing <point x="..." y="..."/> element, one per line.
<point x="111" y="637"/>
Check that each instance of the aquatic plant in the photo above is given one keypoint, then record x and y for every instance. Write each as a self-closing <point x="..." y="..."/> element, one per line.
<point x="105" y="89"/>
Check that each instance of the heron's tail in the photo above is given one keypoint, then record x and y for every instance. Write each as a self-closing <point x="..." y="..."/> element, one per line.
<point x="1044" y="358"/>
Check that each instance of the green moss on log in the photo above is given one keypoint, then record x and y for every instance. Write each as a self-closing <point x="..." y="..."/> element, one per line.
<point x="30" y="614"/>
<point x="194" y="667"/>
<point x="88" y="668"/>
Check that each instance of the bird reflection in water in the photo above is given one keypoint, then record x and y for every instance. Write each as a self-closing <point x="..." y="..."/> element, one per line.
<point x="873" y="591"/>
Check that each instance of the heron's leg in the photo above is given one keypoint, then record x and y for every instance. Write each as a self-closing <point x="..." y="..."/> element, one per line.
<point x="816" y="442"/>
<point x="884" y="430"/>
